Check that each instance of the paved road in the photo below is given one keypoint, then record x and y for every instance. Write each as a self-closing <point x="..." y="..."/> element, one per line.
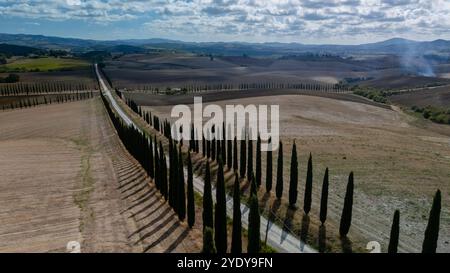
<point x="277" y="238"/>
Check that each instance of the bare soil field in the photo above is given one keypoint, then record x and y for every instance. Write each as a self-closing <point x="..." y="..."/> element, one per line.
<point x="84" y="75"/>
<point x="393" y="81"/>
<point x="439" y="97"/>
<point x="178" y="70"/>
<point x="65" y="176"/>
<point x="397" y="165"/>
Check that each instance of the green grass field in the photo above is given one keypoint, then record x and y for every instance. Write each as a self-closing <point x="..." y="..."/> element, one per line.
<point x="44" y="65"/>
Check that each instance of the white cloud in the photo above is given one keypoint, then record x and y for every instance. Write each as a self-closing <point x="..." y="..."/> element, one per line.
<point x="256" y="19"/>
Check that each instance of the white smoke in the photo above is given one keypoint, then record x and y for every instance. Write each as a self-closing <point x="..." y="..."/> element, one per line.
<point x="414" y="62"/>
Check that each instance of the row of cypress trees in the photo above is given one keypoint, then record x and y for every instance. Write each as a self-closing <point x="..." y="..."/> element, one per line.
<point x="194" y="88"/>
<point x="28" y="102"/>
<point x="431" y="237"/>
<point x="169" y="179"/>
<point x="215" y="235"/>
<point x="15" y="89"/>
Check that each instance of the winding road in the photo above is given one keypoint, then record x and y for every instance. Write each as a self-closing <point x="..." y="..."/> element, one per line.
<point x="278" y="238"/>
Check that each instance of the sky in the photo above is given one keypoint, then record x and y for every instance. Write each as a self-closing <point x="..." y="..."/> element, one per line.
<point x="303" y="21"/>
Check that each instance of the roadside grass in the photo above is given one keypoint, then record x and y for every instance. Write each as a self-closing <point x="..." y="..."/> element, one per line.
<point x="45" y="64"/>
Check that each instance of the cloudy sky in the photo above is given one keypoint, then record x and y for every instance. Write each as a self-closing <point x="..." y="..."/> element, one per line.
<point x="305" y="21"/>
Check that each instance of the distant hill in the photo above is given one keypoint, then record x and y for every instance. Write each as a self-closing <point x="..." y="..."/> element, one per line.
<point x="395" y="46"/>
<point x="16" y="50"/>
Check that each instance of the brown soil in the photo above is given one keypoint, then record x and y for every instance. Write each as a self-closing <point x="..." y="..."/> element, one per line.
<point x="66" y="177"/>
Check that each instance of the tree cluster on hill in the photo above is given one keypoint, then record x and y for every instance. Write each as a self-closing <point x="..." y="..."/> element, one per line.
<point x="433" y="113"/>
<point x="372" y="94"/>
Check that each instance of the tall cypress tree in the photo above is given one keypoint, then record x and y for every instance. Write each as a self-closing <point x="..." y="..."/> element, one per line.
<point x="208" y="241"/>
<point x="171" y="173"/>
<point x="308" y="187"/>
<point x="208" y="147"/>
<point x="324" y="199"/>
<point x="269" y="170"/>
<point x="203" y="145"/>
<point x="258" y="162"/>
<point x="181" y="188"/>
<point x="220" y="233"/>
<point x="207" y="200"/>
<point x="157" y="170"/>
<point x="235" y="155"/>
<point x="346" y="218"/>
<point x="243" y="157"/>
<point x="223" y="145"/>
<point x="213" y="149"/>
<point x="395" y="230"/>
<point x="293" y="178"/>
<point x="229" y="151"/>
<point x="175" y="179"/>
<point x="190" y="196"/>
<point x="163" y="167"/>
<point x="236" y="241"/>
<point x="254" y="240"/>
<point x="279" y="185"/>
<point x="250" y="173"/>
<point x="219" y="150"/>
<point x="432" y="230"/>
<point x="151" y="167"/>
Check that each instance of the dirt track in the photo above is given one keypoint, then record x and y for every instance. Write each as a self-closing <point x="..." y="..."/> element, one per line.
<point x="66" y="177"/>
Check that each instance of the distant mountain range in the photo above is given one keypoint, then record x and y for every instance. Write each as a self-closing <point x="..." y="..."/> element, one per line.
<point x="395" y="46"/>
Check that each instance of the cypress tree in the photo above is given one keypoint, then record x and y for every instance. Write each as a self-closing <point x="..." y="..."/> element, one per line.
<point x="254" y="240"/>
<point x="157" y="171"/>
<point x="171" y="173"/>
<point x="269" y="167"/>
<point x="243" y="157"/>
<point x="223" y="145"/>
<point x="163" y="166"/>
<point x="220" y="212"/>
<point x="293" y="178"/>
<point x="432" y="230"/>
<point x="190" y="197"/>
<point x="207" y="200"/>
<point x="181" y="188"/>
<point x="175" y="178"/>
<point x="208" y="241"/>
<point x="395" y="230"/>
<point x="308" y="187"/>
<point x="236" y="242"/>
<point x="324" y="199"/>
<point x="279" y="185"/>
<point x="258" y="162"/>
<point x="151" y="160"/>
<point x="235" y="155"/>
<point x="208" y="148"/>
<point x="203" y="145"/>
<point x="213" y="149"/>
<point x="346" y="218"/>
<point x="250" y="173"/>
<point x="219" y="149"/>
<point x="229" y="153"/>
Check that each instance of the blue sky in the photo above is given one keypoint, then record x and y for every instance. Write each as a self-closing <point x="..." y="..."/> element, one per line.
<point x="305" y="21"/>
